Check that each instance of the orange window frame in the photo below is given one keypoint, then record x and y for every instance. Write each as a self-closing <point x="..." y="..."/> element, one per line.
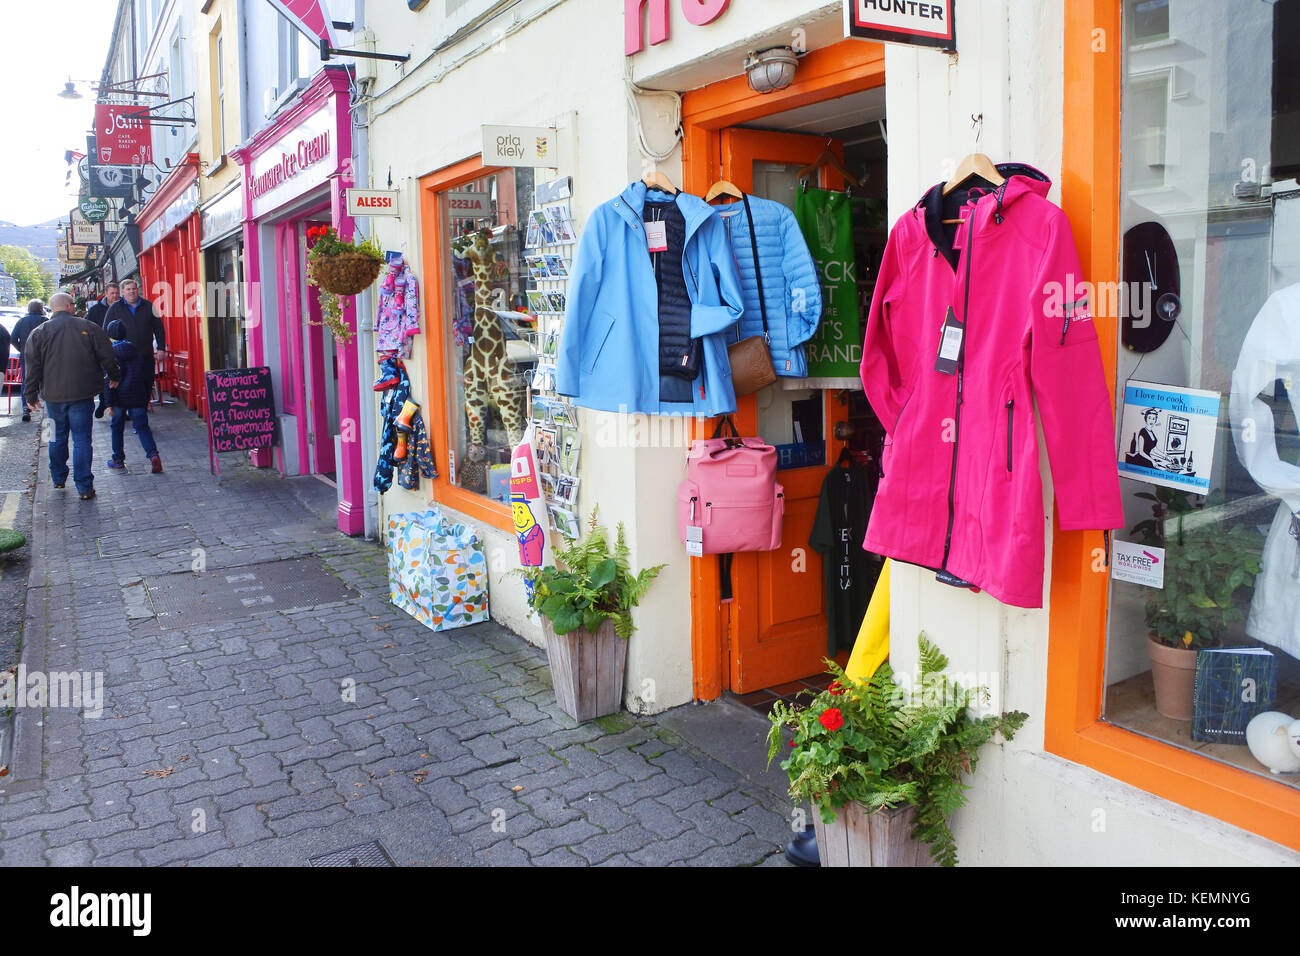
<point x="1090" y="196"/>
<point x="436" y="419"/>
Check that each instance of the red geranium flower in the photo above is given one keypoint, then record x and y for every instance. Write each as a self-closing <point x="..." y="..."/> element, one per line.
<point x="835" y="688"/>
<point x="831" y="718"/>
<point x="792" y="743"/>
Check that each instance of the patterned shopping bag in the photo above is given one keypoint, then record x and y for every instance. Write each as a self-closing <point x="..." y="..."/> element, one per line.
<point x="436" y="570"/>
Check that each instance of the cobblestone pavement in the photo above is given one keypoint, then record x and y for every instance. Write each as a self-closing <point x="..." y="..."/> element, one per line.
<point x="225" y="737"/>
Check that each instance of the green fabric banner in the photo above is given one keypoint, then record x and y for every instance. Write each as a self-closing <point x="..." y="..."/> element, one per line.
<point x="826" y="220"/>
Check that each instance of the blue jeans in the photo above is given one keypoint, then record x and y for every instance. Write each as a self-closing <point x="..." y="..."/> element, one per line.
<point x="140" y="421"/>
<point x="76" y="417"/>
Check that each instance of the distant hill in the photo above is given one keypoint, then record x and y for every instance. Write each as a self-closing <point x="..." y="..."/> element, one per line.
<point x="39" y="240"/>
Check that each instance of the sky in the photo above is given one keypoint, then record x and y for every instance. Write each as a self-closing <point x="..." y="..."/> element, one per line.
<point x="47" y="41"/>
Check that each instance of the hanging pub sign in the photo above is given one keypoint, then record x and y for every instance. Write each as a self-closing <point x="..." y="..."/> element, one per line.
<point x="83" y="230"/>
<point x="108" y="182"/>
<point x="94" y="208"/>
<point x="519" y="146"/>
<point x="916" y="22"/>
<point x="372" y="202"/>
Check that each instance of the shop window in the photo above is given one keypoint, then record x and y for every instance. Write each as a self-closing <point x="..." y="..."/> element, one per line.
<point x="1206" y="574"/>
<point x="487" y="334"/>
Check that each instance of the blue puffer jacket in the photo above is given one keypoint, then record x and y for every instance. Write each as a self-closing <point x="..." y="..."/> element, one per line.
<point x="135" y="388"/>
<point x="609" y="354"/>
<point x="790" y="287"/>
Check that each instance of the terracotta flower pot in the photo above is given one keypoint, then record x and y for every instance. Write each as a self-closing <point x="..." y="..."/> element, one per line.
<point x="344" y="274"/>
<point x="587" y="669"/>
<point x="1174" y="672"/>
<point x="859" y="838"/>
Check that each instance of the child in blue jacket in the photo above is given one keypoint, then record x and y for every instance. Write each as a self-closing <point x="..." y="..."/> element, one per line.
<point x="129" y="400"/>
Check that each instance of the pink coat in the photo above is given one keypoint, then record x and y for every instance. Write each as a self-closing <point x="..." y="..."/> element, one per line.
<point x="961" y="491"/>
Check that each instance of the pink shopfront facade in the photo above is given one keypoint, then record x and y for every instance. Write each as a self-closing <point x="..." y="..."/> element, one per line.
<point x="295" y="172"/>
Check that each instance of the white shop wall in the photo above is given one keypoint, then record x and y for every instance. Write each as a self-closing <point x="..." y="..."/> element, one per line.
<point x="1027" y="807"/>
<point x="440" y="125"/>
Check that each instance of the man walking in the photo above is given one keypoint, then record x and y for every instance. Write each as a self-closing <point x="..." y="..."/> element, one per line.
<point x="99" y="310"/>
<point x="143" y="326"/>
<point x="25" y="326"/>
<point x="66" y="360"/>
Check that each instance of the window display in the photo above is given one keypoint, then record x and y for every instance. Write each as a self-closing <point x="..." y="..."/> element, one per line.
<point x="1208" y="442"/>
<point x="488" y="326"/>
<point x="960" y="490"/>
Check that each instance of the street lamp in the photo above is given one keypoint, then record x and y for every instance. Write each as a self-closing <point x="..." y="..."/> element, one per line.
<point x="70" y="91"/>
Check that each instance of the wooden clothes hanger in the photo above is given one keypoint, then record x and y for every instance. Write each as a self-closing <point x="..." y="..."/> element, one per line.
<point x="723" y="187"/>
<point x="657" y="180"/>
<point x="828" y="160"/>
<point x="976" y="164"/>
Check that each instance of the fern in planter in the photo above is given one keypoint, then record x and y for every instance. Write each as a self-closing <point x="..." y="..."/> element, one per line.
<point x="874" y="743"/>
<point x="589" y="583"/>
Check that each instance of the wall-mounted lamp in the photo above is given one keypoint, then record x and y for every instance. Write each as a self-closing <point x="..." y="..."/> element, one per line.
<point x="771" y="70"/>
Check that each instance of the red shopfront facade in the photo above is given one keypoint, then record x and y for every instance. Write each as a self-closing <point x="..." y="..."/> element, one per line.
<point x="169" y="268"/>
<point x="295" y="172"/>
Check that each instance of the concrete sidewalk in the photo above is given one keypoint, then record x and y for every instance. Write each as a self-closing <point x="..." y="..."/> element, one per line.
<point x="228" y="623"/>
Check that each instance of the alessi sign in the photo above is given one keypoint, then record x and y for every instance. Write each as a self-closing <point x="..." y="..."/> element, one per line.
<point x="300" y="160"/>
<point x="372" y="202"/>
<point x="122" y="134"/>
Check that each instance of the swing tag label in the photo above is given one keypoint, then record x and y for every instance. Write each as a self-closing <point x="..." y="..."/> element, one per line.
<point x="695" y="541"/>
<point x="656" y="233"/>
<point x="950" y="344"/>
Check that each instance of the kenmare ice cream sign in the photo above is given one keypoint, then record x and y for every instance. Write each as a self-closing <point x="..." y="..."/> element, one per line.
<point x="300" y="160"/>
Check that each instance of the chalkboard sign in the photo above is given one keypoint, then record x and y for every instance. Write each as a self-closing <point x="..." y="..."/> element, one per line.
<point x="241" y="409"/>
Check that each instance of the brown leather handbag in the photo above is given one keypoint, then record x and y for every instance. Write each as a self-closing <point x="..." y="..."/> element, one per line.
<point x="751" y="358"/>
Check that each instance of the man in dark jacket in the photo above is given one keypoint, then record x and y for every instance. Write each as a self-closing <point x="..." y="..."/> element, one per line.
<point x="143" y="326"/>
<point x="129" y="400"/>
<point x="99" y="310"/>
<point x="66" y="361"/>
<point x="34" y="317"/>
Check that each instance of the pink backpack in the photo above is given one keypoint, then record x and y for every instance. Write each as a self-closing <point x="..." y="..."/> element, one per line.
<point x="730" y="500"/>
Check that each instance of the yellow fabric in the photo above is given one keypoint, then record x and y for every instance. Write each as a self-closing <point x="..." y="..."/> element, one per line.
<point x="872" y="646"/>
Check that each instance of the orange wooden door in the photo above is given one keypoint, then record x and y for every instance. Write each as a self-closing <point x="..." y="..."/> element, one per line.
<point x="777" y="629"/>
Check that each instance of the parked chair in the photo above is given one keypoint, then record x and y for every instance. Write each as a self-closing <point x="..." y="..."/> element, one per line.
<point x="13" y="383"/>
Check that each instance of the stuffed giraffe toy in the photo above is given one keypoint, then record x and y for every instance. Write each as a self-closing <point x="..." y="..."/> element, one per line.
<point x="488" y="372"/>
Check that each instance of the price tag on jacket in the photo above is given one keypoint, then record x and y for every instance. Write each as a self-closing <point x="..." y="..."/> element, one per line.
<point x="949" y="344"/>
<point x="656" y="234"/>
<point x="694" y="541"/>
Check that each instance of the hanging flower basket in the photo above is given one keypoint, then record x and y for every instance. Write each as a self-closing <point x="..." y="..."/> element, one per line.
<point x="339" y="268"/>
<point x="345" y="273"/>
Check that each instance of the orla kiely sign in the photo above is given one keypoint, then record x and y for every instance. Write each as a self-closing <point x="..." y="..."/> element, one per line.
<point x="918" y="22"/>
<point x="519" y="146"/>
<point x="372" y="202"/>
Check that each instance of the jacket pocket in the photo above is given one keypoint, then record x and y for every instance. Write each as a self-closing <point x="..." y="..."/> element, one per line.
<point x="603" y="325"/>
<point x="1011" y="408"/>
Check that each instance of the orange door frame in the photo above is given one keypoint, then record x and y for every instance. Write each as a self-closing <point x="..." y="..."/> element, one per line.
<point x="849" y="66"/>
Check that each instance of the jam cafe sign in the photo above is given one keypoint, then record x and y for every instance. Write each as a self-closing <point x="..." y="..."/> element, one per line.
<point x="300" y="160"/>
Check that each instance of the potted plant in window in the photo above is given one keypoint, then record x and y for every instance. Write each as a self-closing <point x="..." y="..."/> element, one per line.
<point x="883" y="765"/>
<point x="338" y="267"/>
<point x="586" y="600"/>
<point x="1209" y="568"/>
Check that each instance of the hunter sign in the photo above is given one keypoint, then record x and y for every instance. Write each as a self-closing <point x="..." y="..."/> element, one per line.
<point x="916" y="22"/>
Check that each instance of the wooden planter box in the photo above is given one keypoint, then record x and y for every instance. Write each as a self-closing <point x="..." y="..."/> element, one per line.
<point x="859" y="838"/>
<point x="587" y="670"/>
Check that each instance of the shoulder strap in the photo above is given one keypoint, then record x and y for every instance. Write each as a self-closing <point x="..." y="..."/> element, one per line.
<point x="725" y="420"/>
<point x="758" y="270"/>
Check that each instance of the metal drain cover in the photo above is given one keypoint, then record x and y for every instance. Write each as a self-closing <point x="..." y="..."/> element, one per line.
<point x="224" y="594"/>
<point x="367" y="854"/>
